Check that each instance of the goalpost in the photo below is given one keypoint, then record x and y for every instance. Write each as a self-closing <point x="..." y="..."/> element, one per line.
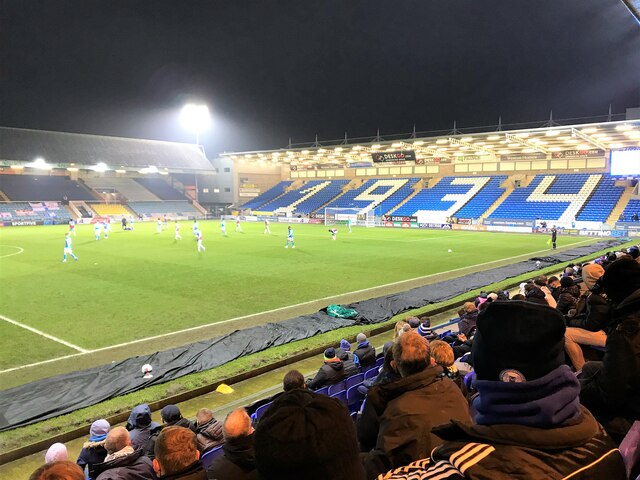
<point x="340" y="216"/>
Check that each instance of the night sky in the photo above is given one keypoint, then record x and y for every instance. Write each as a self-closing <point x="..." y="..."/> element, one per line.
<point x="270" y="70"/>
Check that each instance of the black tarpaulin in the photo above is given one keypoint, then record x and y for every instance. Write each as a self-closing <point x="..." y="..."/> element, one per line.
<point x="50" y="397"/>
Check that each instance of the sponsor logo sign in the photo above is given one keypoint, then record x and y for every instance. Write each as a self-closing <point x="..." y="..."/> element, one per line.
<point x="392" y="157"/>
<point x="578" y="153"/>
<point x="400" y="218"/>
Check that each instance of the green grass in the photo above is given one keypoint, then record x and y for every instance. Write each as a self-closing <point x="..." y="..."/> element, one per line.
<point x="138" y="284"/>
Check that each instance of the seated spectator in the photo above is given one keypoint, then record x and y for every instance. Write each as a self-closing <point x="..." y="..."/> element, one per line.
<point x="239" y="460"/>
<point x="56" y="453"/>
<point x="397" y="417"/>
<point x="399" y="328"/>
<point x="331" y="371"/>
<point x="141" y="428"/>
<point x="172" y="417"/>
<point x="293" y="379"/>
<point x="60" y="470"/>
<point x="177" y="455"/>
<point x="414" y="322"/>
<point x="529" y="422"/>
<point x="386" y="374"/>
<point x="348" y="359"/>
<point x="424" y="329"/>
<point x="519" y="297"/>
<point x="208" y="430"/>
<point x="442" y="354"/>
<point x="611" y="388"/>
<point x="553" y="284"/>
<point x="569" y="295"/>
<point x="365" y="352"/>
<point x="534" y="294"/>
<point x="541" y="283"/>
<point x="307" y="436"/>
<point x="122" y="461"/>
<point x="467" y="324"/>
<point x="587" y="328"/>
<point x="634" y="252"/>
<point x="93" y="450"/>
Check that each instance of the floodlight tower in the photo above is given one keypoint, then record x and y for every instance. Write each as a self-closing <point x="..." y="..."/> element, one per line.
<point x="195" y="118"/>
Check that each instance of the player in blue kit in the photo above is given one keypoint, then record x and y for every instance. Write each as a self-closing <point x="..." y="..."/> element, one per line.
<point x="97" y="229"/>
<point x="348" y="225"/>
<point x="195" y="228"/>
<point x="67" y="248"/>
<point x="223" y="227"/>
<point x="290" y="238"/>
<point x="105" y="229"/>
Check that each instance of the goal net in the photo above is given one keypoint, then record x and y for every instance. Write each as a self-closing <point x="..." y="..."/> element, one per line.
<point x="342" y="216"/>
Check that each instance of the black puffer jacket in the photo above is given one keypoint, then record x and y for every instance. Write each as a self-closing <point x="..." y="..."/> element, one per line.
<point x="596" y="315"/>
<point x="209" y="435"/>
<point x="366" y="354"/>
<point x="238" y="461"/>
<point x="329" y="373"/>
<point x="568" y="299"/>
<point x="130" y="467"/>
<point x="350" y="368"/>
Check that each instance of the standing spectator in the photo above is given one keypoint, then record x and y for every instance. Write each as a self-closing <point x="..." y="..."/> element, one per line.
<point x="587" y="328"/>
<point x="93" y="450"/>
<point x="239" y="460"/>
<point x="331" y="371"/>
<point x="208" y="430"/>
<point x="365" y="352"/>
<point x="529" y="423"/>
<point x="141" y="427"/>
<point x="569" y="295"/>
<point x="397" y="417"/>
<point x="611" y="388"/>
<point x="60" y="470"/>
<point x="172" y="417"/>
<point x="307" y="436"/>
<point x="56" y="453"/>
<point x="177" y="456"/>
<point x="122" y="461"/>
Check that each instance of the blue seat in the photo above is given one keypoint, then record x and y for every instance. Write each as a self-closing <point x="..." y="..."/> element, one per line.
<point x="261" y="409"/>
<point x="322" y="391"/>
<point x="379" y="362"/>
<point x="354" y="398"/>
<point x="337" y="387"/>
<point x="208" y="457"/>
<point x="342" y="396"/>
<point x="353" y="380"/>
<point x="371" y="373"/>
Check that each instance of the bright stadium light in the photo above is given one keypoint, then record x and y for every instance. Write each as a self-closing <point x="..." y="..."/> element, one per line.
<point x="195" y="118"/>
<point x="40" y="164"/>
<point x="101" y="167"/>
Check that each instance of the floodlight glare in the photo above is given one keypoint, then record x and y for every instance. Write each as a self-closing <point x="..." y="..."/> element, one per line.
<point x="195" y="118"/>
<point x="40" y="164"/>
<point x="100" y="167"/>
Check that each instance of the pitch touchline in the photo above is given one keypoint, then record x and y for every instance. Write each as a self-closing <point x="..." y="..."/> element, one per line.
<point x="43" y="334"/>
<point x="198" y="327"/>
<point x="12" y="254"/>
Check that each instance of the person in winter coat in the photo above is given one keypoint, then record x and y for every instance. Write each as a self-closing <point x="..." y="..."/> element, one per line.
<point x="93" y="451"/>
<point x="239" y="459"/>
<point x="587" y="327"/>
<point x="348" y="358"/>
<point x="611" y="388"/>
<point x="365" y="352"/>
<point x="529" y="423"/>
<point x="172" y="417"/>
<point x="331" y="371"/>
<point x="208" y="430"/>
<point x="397" y="418"/>
<point x="177" y="456"/>
<point x="386" y="374"/>
<point x="141" y="427"/>
<point x="467" y="323"/>
<point x="569" y="295"/>
<point x="122" y="461"/>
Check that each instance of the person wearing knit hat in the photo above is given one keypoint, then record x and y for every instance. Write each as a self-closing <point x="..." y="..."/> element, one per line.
<point x="93" y="451"/>
<point x="365" y="352"/>
<point x="529" y="423"/>
<point x="56" y="453"/>
<point x="349" y="360"/>
<point x="424" y="329"/>
<point x="331" y="371"/>
<point x="611" y="388"/>
<point x="587" y="327"/>
<point x="307" y="436"/>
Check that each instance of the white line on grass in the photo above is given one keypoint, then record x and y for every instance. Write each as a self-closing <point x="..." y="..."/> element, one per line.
<point x="12" y="254"/>
<point x="46" y="335"/>
<point x="199" y="327"/>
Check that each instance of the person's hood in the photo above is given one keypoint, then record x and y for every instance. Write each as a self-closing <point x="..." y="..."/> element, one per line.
<point x="343" y="355"/>
<point x="140" y="417"/>
<point x="240" y="451"/>
<point x="364" y="344"/>
<point x="573" y="290"/>
<point x="91" y="444"/>
<point x="337" y="366"/>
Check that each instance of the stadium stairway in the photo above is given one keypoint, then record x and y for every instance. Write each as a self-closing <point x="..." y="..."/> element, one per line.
<point x="273" y="193"/>
<point x="620" y="206"/>
<point x="416" y="188"/>
<point x="508" y="186"/>
<point x="3" y="197"/>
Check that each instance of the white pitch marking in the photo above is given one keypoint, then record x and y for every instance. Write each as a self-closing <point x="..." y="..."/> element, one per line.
<point x="199" y="327"/>
<point x="12" y="254"/>
<point x="46" y="335"/>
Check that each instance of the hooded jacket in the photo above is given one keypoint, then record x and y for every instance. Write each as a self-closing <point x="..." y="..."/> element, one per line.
<point x="91" y="454"/>
<point x="579" y="450"/>
<point x="366" y="354"/>
<point x="238" y="461"/>
<point x="209" y="435"/>
<point x="350" y="368"/>
<point x="596" y="314"/>
<point x="398" y="417"/>
<point x="134" y="466"/>
<point x="467" y="323"/>
<point x="329" y="373"/>
<point x="568" y="299"/>
<point x="140" y="426"/>
<point x="192" y="472"/>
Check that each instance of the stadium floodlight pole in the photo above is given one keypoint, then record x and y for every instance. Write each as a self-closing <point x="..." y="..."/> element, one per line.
<point x="195" y="118"/>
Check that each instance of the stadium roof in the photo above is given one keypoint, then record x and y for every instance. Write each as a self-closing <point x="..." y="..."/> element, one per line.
<point x="71" y="149"/>
<point x="497" y="144"/>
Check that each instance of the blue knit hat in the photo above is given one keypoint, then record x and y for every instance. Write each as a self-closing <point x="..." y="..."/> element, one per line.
<point x="344" y="345"/>
<point x="424" y="329"/>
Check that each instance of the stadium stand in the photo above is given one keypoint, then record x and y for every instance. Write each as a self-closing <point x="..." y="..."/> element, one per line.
<point x="172" y="207"/>
<point x="268" y="196"/>
<point x="42" y="188"/>
<point x="110" y="209"/>
<point x="127" y="187"/>
<point x="554" y="197"/>
<point x="308" y="197"/>
<point x="599" y="206"/>
<point x="160" y="188"/>
<point x="381" y="194"/>
<point x="633" y="207"/>
<point x="34" y="211"/>
<point x="323" y="196"/>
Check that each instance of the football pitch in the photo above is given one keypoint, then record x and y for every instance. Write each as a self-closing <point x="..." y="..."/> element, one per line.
<point x="139" y="284"/>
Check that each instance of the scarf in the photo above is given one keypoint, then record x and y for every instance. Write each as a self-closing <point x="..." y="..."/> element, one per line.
<point x="545" y="402"/>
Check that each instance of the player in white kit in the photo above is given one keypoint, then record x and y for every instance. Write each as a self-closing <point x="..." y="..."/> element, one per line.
<point x="200" y="245"/>
<point x="266" y="227"/>
<point x="178" y="237"/>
